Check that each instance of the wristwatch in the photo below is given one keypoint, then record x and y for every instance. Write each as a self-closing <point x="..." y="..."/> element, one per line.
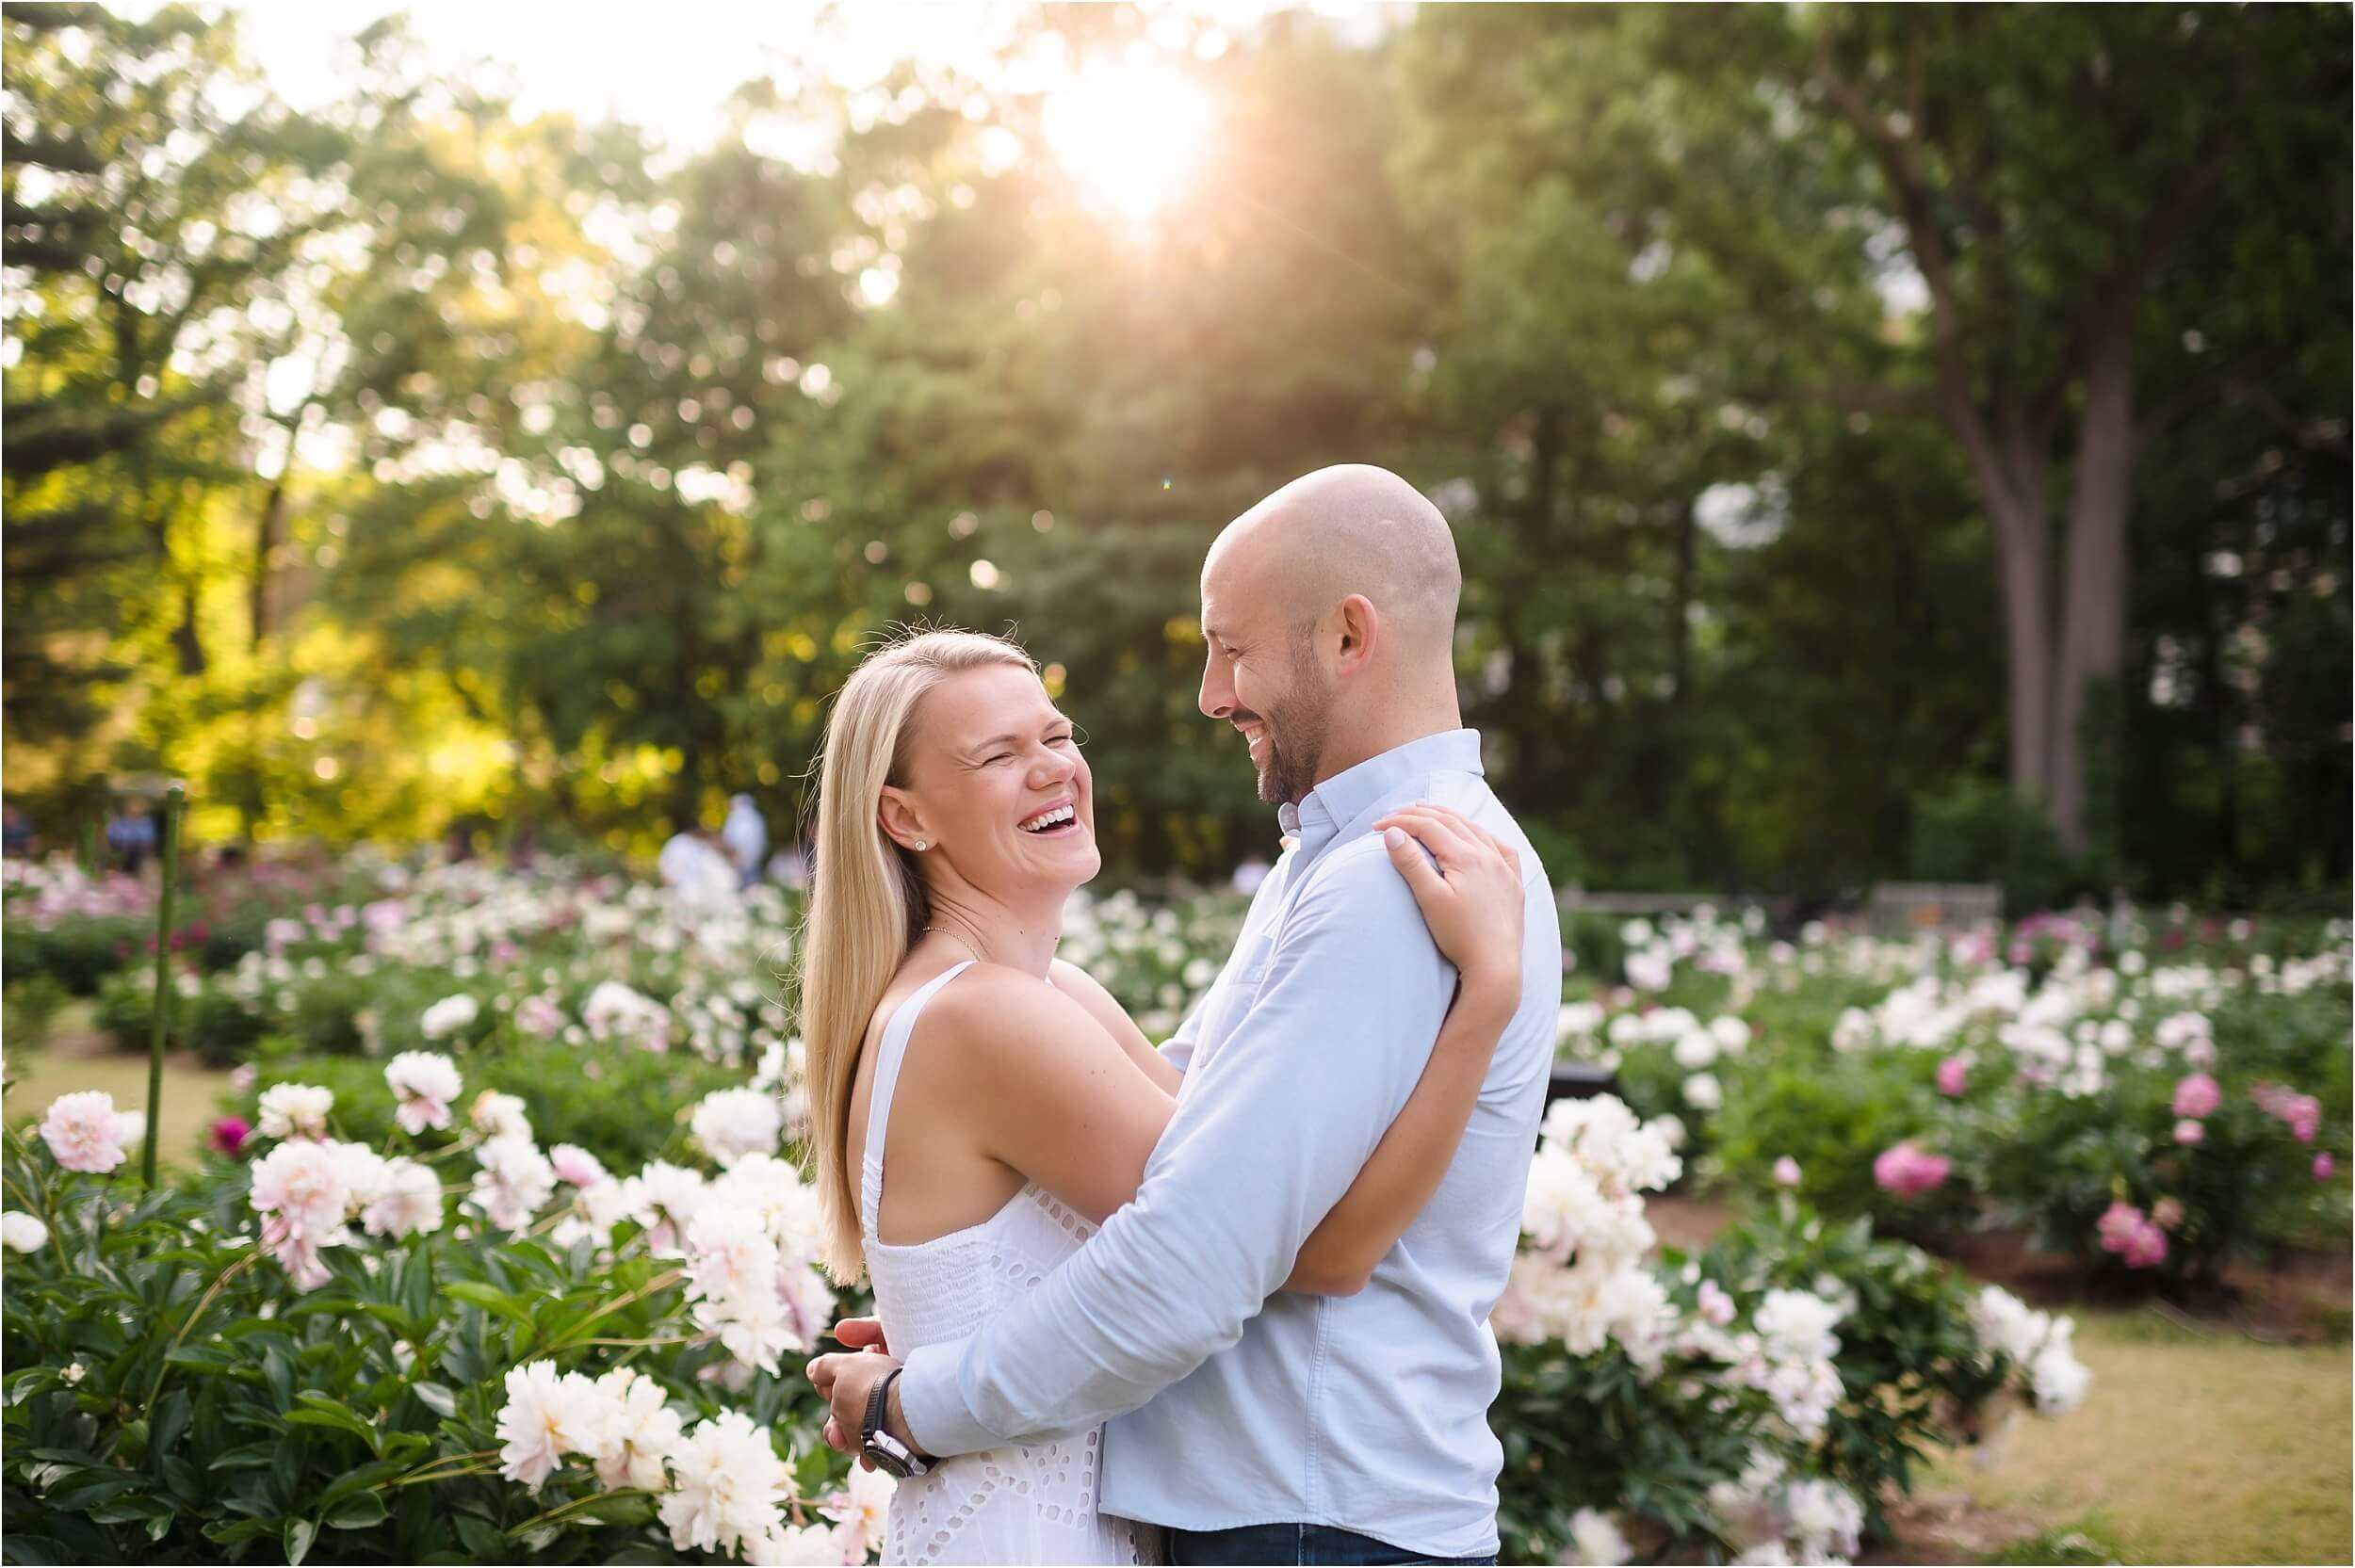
<point x="890" y="1455"/>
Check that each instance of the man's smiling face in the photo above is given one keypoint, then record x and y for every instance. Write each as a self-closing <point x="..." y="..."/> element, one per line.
<point x="1260" y="673"/>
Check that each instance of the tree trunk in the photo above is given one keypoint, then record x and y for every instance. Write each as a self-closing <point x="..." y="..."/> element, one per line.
<point x="271" y="529"/>
<point x="2020" y="551"/>
<point x="184" y="636"/>
<point x="2093" y="604"/>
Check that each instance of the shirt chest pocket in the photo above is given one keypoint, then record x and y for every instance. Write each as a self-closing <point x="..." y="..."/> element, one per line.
<point x="1229" y="1002"/>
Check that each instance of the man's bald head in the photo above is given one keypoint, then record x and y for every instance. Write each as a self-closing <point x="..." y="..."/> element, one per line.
<point x="1349" y="529"/>
<point x="1329" y="616"/>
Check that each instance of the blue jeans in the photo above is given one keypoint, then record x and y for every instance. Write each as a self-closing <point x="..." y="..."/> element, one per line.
<point x="1292" y="1543"/>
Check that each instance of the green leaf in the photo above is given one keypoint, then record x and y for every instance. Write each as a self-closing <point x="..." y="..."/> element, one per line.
<point x="483" y="1542"/>
<point x="317" y="1410"/>
<point x="365" y="1477"/>
<point x="435" y="1398"/>
<point x="356" y="1513"/>
<point x="299" y="1534"/>
<point x="171" y="1421"/>
<point x="490" y="1297"/>
<point x="247" y="1456"/>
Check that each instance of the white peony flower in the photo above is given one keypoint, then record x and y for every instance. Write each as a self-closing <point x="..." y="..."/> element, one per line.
<point x="22" y="1232"/>
<point x="84" y="1131"/>
<point x="1696" y="1050"/>
<point x="1703" y="1092"/>
<point x="424" y="1084"/>
<point x="862" y="1512"/>
<point x="498" y="1115"/>
<point x="663" y="1198"/>
<point x="1596" y="1538"/>
<point x="294" y="1111"/>
<point x="548" y="1415"/>
<point x="407" y="1204"/>
<point x="639" y="1433"/>
<point x="448" y="1016"/>
<point x="1794" y="1325"/>
<point x="515" y="1180"/>
<point x="728" y="1487"/>
<point x="797" y="1546"/>
<point x="733" y="1123"/>
<point x="576" y="1166"/>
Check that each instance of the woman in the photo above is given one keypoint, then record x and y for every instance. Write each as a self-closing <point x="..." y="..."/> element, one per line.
<point x="1011" y="1101"/>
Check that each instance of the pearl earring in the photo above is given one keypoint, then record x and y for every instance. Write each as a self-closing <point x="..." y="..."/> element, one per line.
<point x="921" y="846"/>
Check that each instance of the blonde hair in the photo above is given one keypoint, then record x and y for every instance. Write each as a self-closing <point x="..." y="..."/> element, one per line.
<point x="867" y="902"/>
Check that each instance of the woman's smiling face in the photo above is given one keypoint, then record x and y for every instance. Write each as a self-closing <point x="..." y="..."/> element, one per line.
<point x="995" y="784"/>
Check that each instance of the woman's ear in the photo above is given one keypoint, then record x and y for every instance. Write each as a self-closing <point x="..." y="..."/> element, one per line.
<point x="899" y="819"/>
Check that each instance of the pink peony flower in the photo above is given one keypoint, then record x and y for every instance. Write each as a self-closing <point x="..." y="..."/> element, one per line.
<point x="2118" y="1222"/>
<point x="2201" y="1052"/>
<point x="2132" y="1235"/>
<point x="2304" y="1115"/>
<point x="1953" y="1073"/>
<point x="230" y="1133"/>
<point x="2323" y="1168"/>
<point x="2168" y="1213"/>
<point x="84" y="1131"/>
<point x="1908" y="1171"/>
<point x="2189" y="1131"/>
<point x="2301" y="1113"/>
<point x="2197" y="1095"/>
<point x="2147" y="1249"/>
<point x="1714" y="1304"/>
<point x="1786" y="1171"/>
<point x="576" y="1165"/>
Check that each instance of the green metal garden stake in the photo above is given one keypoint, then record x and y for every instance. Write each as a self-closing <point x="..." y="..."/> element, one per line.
<point x="174" y="797"/>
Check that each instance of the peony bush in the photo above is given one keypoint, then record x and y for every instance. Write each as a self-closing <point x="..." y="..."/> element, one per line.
<point x="1755" y="1400"/>
<point x="2060" y="1076"/>
<point x="408" y="1347"/>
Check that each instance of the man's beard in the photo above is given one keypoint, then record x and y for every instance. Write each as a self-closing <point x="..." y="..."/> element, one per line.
<point x="1296" y="745"/>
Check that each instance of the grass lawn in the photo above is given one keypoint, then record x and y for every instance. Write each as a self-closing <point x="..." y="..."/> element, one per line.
<point x="2190" y="1448"/>
<point x="65" y="1060"/>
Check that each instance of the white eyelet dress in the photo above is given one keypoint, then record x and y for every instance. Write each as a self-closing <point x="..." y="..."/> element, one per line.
<point x="1005" y="1505"/>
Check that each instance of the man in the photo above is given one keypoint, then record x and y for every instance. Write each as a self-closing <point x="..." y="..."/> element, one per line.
<point x="1288" y="1427"/>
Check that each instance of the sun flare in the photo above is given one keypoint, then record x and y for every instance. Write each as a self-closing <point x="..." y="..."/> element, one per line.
<point x="1130" y="135"/>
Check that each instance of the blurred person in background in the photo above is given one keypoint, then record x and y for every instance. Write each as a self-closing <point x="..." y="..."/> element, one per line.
<point x="746" y="838"/>
<point x="131" y="836"/>
<point x="695" y="864"/>
<point x="16" y="836"/>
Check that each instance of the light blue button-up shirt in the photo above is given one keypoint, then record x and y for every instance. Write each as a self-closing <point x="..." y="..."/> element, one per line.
<point x="1366" y="1412"/>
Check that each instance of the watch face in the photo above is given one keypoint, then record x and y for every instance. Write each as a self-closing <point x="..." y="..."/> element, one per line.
<point x="887" y="1461"/>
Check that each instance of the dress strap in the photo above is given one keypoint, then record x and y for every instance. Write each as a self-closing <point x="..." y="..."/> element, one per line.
<point x="890" y="1051"/>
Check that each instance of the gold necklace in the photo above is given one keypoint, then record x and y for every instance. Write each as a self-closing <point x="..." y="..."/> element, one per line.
<point x="935" y="931"/>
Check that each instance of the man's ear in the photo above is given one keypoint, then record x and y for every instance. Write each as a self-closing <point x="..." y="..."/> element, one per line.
<point x="899" y="819"/>
<point x="1360" y="629"/>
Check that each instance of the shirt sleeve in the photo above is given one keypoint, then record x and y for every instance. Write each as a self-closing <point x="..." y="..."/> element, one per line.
<point x="1343" y="1021"/>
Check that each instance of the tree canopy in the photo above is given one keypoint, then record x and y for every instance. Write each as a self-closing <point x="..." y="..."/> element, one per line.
<point x="1881" y="439"/>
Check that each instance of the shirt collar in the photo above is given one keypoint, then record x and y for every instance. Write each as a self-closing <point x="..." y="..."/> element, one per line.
<point x="1348" y="793"/>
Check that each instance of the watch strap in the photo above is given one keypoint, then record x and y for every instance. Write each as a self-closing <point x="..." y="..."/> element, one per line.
<point x="872" y="1422"/>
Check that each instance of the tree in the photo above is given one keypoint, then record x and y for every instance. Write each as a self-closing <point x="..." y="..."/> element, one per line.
<point x="2033" y="195"/>
<point x="2051" y="171"/>
<point x="150" y="204"/>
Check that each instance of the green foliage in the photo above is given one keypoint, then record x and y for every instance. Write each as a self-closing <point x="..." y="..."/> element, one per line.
<point x="168" y="1399"/>
<point x="624" y="1104"/>
<point x="1597" y="1431"/>
<point x="1835" y="1116"/>
<point x="1624" y="293"/>
<point x="1908" y="1356"/>
<point x="1977" y="831"/>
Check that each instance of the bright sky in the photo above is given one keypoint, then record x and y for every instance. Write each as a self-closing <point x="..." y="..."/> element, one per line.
<point x="669" y="69"/>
